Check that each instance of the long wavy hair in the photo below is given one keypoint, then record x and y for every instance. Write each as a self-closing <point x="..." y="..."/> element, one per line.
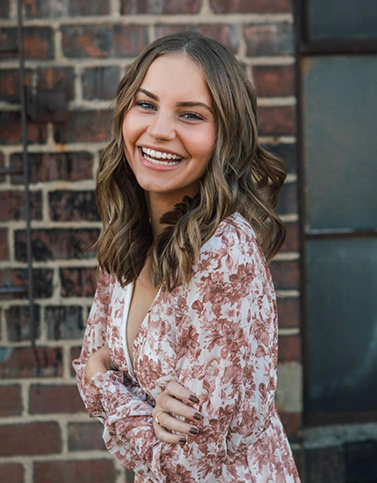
<point x="241" y="175"/>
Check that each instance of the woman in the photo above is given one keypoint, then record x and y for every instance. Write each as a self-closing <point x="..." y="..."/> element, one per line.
<point x="180" y="352"/>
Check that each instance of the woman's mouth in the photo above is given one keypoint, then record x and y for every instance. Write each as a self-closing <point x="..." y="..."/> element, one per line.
<point x="160" y="157"/>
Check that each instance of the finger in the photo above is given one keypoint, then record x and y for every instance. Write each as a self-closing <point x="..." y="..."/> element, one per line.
<point x="173" y="424"/>
<point x="178" y="408"/>
<point x="167" y="437"/>
<point x="176" y="389"/>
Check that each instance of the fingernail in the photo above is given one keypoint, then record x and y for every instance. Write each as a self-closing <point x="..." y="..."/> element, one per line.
<point x="183" y="440"/>
<point x="194" y="431"/>
<point x="198" y="416"/>
<point x="193" y="398"/>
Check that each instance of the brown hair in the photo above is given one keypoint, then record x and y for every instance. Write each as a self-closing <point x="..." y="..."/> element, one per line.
<point x="241" y="176"/>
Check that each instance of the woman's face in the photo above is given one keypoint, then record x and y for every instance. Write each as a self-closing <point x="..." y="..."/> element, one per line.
<point x="169" y="130"/>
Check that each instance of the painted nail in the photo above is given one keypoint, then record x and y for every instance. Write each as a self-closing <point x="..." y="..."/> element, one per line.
<point x="198" y="416"/>
<point x="194" y="431"/>
<point x="183" y="440"/>
<point x="193" y="398"/>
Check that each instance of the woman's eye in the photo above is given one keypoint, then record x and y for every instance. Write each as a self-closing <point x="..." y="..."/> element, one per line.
<point x="145" y="105"/>
<point x="192" y="116"/>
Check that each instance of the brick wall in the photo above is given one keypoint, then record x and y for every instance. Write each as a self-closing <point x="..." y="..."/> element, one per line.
<point x="82" y="47"/>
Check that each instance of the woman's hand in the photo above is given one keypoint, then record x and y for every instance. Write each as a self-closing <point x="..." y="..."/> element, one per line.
<point x="177" y="401"/>
<point x="99" y="361"/>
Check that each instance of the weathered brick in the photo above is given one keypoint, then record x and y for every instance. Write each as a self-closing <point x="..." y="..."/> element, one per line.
<point x="2" y="165"/>
<point x="64" y="322"/>
<point x="38" y="42"/>
<point x="10" y="84"/>
<point x="19" y="362"/>
<point x="78" y="282"/>
<point x="68" y="166"/>
<point x="75" y="353"/>
<point x="85" y="436"/>
<point x="224" y="33"/>
<point x="60" y="398"/>
<point x="292" y="425"/>
<point x="67" y="8"/>
<point x="13" y="205"/>
<point x="18" y="322"/>
<point x="57" y="244"/>
<point x="20" y="439"/>
<point x="246" y="6"/>
<point x="325" y="465"/>
<point x="10" y="401"/>
<point x="4" y="11"/>
<point x="12" y="473"/>
<point x="73" y="205"/>
<point x="290" y="348"/>
<point x="289" y="312"/>
<point x="100" y="82"/>
<point x="286" y="275"/>
<point x="291" y="243"/>
<point x="4" y="250"/>
<point x="42" y="280"/>
<point x="269" y="39"/>
<point x="84" y="126"/>
<point x="83" y="471"/>
<point x="56" y="79"/>
<point x="106" y="40"/>
<point x="158" y="7"/>
<point x="287" y="202"/>
<point x="286" y="152"/>
<point x="11" y="129"/>
<point x="274" y="80"/>
<point x="276" y="121"/>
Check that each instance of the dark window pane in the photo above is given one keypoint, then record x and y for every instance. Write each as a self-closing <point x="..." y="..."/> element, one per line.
<point x="343" y="325"/>
<point x="340" y="114"/>
<point x="342" y="19"/>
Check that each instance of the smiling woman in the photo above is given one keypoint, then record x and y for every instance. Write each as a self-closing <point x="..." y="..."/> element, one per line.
<point x="180" y="352"/>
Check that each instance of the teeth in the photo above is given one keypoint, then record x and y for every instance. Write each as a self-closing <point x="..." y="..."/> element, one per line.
<point x="160" y="155"/>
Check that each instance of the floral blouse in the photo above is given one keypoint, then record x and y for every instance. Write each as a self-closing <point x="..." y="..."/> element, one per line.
<point x="217" y="336"/>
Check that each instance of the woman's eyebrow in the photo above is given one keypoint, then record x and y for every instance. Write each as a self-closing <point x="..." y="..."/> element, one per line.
<point x="179" y="104"/>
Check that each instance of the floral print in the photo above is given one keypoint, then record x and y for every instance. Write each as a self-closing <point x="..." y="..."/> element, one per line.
<point x="217" y="336"/>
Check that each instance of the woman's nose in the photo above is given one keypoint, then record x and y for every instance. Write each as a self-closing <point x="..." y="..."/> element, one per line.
<point x="161" y="126"/>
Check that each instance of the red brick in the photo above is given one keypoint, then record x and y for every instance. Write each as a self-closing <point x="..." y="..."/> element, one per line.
<point x="18" y="362"/>
<point x="64" y="322"/>
<point x="57" y="244"/>
<point x="84" y="126"/>
<point x="269" y="39"/>
<point x="75" y="353"/>
<point x="10" y="400"/>
<point x="276" y="121"/>
<point x="286" y="275"/>
<point x="291" y="243"/>
<point x="274" y="80"/>
<point x="20" y="439"/>
<point x="227" y="34"/>
<point x="73" y="205"/>
<point x="83" y="471"/>
<point x="12" y="473"/>
<point x="292" y="423"/>
<point x="42" y="280"/>
<point x="289" y="348"/>
<point x="85" y="436"/>
<point x="11" y="133"/>
<point x="13" y="205"/>
<point x="78" y="282"/>
<point x="10" y="84"/>
<point x="70" y="8"/>
<point x="38" y="42"/>
<point x="131" y="7"/>
<point x="100" y="82"/>
<point x="18" y="322"/>
<point x="45" y="399"/>
<point x="4" y="251"/>
<point x="286" y="152"/>
<point x="289" y="312"/>
<point x="246" y="6"/>
<point x="56" y="79"/>
<point x="106" y="40"/>
<point x="68" y="166"/>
